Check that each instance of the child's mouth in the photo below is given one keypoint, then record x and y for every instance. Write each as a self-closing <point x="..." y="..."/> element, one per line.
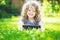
<point x="31" y="14"/>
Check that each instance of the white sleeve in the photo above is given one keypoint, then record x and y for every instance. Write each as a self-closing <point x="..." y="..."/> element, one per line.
<point x="42" y="25"/>
<point x="20" y="25"/>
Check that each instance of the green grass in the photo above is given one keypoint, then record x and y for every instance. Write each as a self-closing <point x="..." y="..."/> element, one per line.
<point x="9" y="31"/>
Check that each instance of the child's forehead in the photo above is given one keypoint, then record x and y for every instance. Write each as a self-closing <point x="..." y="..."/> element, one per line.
<point x="31" y="7"/>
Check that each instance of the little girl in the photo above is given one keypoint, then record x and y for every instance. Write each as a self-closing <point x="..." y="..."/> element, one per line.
<point x="31" y="15"/>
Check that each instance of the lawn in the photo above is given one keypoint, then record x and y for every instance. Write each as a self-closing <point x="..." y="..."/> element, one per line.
<point x="9" y="30"/>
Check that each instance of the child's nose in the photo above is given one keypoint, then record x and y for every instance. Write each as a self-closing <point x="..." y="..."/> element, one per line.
<point x="31" y="11"/>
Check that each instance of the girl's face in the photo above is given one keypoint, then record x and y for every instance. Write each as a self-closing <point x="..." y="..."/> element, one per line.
<point x="31" y="12"/>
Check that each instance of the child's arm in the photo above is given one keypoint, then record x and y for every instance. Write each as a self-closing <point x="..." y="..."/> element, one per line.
<point x="42" y="25"/>
<point x="20" y="25"/>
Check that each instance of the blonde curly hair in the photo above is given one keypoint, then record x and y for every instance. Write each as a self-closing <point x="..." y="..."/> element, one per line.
<point x="25" y="8"/>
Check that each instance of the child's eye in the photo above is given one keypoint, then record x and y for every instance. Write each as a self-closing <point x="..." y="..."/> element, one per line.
<point x="32" y="10"/>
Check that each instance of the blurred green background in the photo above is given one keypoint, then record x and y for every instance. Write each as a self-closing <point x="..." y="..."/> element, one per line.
<point x="10" y="11"/>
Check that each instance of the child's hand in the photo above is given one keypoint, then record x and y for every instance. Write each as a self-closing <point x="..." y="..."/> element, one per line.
<point x="20" y="27"/>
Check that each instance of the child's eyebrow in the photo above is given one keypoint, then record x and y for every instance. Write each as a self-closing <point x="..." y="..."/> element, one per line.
<point x="33" y="8"/>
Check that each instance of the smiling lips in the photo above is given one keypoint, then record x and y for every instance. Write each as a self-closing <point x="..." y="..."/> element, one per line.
<point x="30" y="14"/>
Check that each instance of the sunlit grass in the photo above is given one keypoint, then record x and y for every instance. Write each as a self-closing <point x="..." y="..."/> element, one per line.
<point x="9" y="30"/>
<point x="53" y="26"/>
<point x="49" y="22"/>
<point x="52" y="23"/>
